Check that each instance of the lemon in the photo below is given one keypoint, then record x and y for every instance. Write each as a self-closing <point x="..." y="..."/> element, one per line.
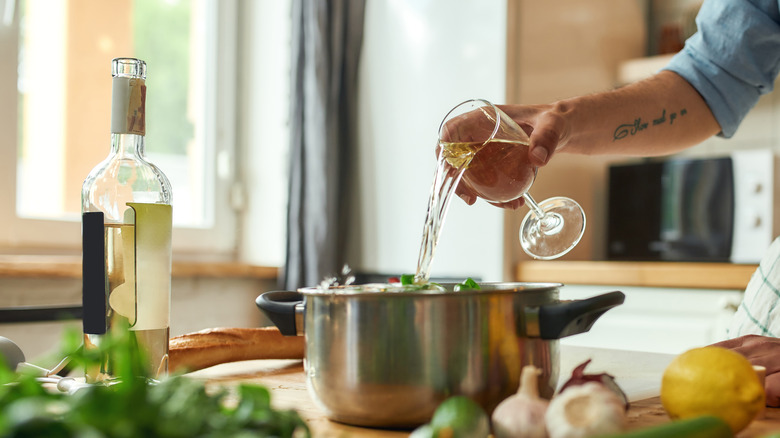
<point x="460" y="417"/>
<point x="712" y="381"/>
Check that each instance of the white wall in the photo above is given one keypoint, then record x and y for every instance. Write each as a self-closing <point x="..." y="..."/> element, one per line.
<point x="420" y="59"/>
<point x="263" y="129"/>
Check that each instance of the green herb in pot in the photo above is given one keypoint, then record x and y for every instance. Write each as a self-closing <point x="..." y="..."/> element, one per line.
<point x="408" y="281"/>
<point x="468" y="284"/>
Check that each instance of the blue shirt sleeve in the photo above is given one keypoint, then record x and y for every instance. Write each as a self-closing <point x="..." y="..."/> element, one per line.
<point x="733" y="58"/>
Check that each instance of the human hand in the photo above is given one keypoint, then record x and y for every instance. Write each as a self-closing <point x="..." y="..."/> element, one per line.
<point x="763" y="351"/>
<point x="546" y="126"/>
<point x="500" y="174"/>
<point x="494" y="173"/>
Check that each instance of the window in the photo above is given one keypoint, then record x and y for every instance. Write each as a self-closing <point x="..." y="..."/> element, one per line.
<point x="55" y="112"/>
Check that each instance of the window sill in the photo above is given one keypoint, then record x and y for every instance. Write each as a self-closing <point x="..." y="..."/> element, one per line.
<point x="69" y="266"/>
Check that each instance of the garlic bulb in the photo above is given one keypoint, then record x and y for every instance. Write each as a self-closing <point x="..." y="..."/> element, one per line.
<point x="585" y="410"/>
<point x="579" y="377"/>
<point x="522" y="415"/>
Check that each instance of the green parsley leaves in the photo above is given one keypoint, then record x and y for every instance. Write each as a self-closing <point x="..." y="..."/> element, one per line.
<point x="135" y="406"/>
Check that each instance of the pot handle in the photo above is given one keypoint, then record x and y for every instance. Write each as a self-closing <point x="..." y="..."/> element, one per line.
<point x="568" y="318"/>
<point x="279" y="307"/>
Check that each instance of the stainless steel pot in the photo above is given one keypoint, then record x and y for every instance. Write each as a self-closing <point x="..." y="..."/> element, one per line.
<point x="387" y="359"/>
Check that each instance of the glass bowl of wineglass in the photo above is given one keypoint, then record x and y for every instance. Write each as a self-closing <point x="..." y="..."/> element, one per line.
<point x="491" y="150"/>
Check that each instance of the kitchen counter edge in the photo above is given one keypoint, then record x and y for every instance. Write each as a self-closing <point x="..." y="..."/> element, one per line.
<point x="641" y="274"/>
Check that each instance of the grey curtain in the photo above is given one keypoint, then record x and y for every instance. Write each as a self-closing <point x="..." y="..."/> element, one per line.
<point x="327" y="37"/>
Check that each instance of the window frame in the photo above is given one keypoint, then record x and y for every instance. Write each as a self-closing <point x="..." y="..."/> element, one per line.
<point x="219" y="241"/>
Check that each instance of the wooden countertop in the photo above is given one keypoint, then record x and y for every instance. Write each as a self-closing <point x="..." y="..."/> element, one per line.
<point x="638" y="373"/>
<point x="644" y="274"/>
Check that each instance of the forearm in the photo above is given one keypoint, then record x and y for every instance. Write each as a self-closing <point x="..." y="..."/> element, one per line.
<point x="658" y="116"/>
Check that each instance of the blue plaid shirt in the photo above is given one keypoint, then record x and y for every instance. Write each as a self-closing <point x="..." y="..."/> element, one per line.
<point x="759" y="312"/>
<point x="734" y="57"/>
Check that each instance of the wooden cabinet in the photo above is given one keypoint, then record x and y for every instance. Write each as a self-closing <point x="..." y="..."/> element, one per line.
<point x="563" y="49"/>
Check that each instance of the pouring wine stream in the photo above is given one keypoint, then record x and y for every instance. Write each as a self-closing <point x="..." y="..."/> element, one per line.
<point x="445" y="180"/>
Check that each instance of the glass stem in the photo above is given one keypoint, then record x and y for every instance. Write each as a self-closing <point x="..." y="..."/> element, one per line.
<point x="538" y="212"/>
<point x="548" y="223"/>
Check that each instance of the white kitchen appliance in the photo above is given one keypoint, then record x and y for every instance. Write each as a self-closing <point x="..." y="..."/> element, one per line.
<point x="716" y="209"/>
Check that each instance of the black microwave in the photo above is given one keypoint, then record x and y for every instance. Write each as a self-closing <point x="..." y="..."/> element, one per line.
<point x="715" y="209"/>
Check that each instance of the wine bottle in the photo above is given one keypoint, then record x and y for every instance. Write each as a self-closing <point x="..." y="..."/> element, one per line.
<point x="126" y="233"/>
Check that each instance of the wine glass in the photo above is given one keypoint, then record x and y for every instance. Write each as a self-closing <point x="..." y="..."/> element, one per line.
<point x="493" y="149"/>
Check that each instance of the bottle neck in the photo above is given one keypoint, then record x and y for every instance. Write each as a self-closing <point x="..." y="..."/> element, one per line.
<point x="128" y="116"/>
<point x="127" y="145"/>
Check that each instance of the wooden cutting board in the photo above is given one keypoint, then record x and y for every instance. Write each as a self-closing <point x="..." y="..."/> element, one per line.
<point x="649" y="412"/>
<point x="286" y="381"/>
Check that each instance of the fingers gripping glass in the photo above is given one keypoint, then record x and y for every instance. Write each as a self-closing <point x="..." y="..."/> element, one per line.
<point x="493" y="149"/>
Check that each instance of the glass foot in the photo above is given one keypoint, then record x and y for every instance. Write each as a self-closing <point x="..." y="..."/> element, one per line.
<point x="554" y="234"/>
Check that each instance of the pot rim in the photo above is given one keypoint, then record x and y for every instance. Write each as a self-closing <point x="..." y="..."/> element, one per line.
<point x="381" y="289"/>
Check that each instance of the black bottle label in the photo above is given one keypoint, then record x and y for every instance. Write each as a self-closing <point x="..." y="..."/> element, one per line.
<point x="94" y="294"/>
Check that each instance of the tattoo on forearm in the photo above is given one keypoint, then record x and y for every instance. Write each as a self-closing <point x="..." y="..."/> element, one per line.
<point x="638" y="125"/>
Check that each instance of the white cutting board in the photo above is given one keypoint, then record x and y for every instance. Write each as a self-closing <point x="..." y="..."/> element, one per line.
<point x="637" y="373"/>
